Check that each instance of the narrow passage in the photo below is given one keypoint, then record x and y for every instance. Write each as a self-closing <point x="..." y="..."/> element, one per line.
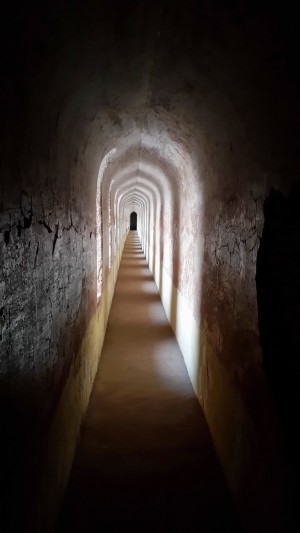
<point x="145" y="462"/>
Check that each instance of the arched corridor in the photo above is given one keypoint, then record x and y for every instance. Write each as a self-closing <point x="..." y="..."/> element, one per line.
<point x="187" y="114"/>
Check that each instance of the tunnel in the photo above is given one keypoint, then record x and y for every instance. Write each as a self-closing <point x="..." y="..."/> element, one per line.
<point x="185" y="113"/>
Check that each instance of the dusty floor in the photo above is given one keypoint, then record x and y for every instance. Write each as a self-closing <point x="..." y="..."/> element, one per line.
<point x="145" y="460"/>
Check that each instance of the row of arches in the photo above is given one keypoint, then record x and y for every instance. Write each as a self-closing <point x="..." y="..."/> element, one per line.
<point x="160" y="188"/>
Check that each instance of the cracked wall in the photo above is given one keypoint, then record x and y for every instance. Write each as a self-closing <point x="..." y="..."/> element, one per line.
<point x="47" y="285"/>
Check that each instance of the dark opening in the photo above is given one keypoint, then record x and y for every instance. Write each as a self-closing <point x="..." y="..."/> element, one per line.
<point x="133" y="220"/>
<point x="278" y="298"/>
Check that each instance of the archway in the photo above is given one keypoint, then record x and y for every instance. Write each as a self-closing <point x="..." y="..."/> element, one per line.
<point x="133" y="220"/>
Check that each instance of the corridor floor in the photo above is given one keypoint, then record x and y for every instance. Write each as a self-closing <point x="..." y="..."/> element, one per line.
<point x="145" y="462"/>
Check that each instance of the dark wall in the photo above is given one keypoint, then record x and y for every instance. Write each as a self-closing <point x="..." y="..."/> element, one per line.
<point x="278" y="296"/>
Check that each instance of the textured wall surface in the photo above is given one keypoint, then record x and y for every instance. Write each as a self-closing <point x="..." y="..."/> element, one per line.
<point x="185" y="112"/>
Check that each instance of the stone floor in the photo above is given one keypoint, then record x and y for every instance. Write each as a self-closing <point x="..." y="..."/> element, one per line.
<point x="145" y="462"/>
